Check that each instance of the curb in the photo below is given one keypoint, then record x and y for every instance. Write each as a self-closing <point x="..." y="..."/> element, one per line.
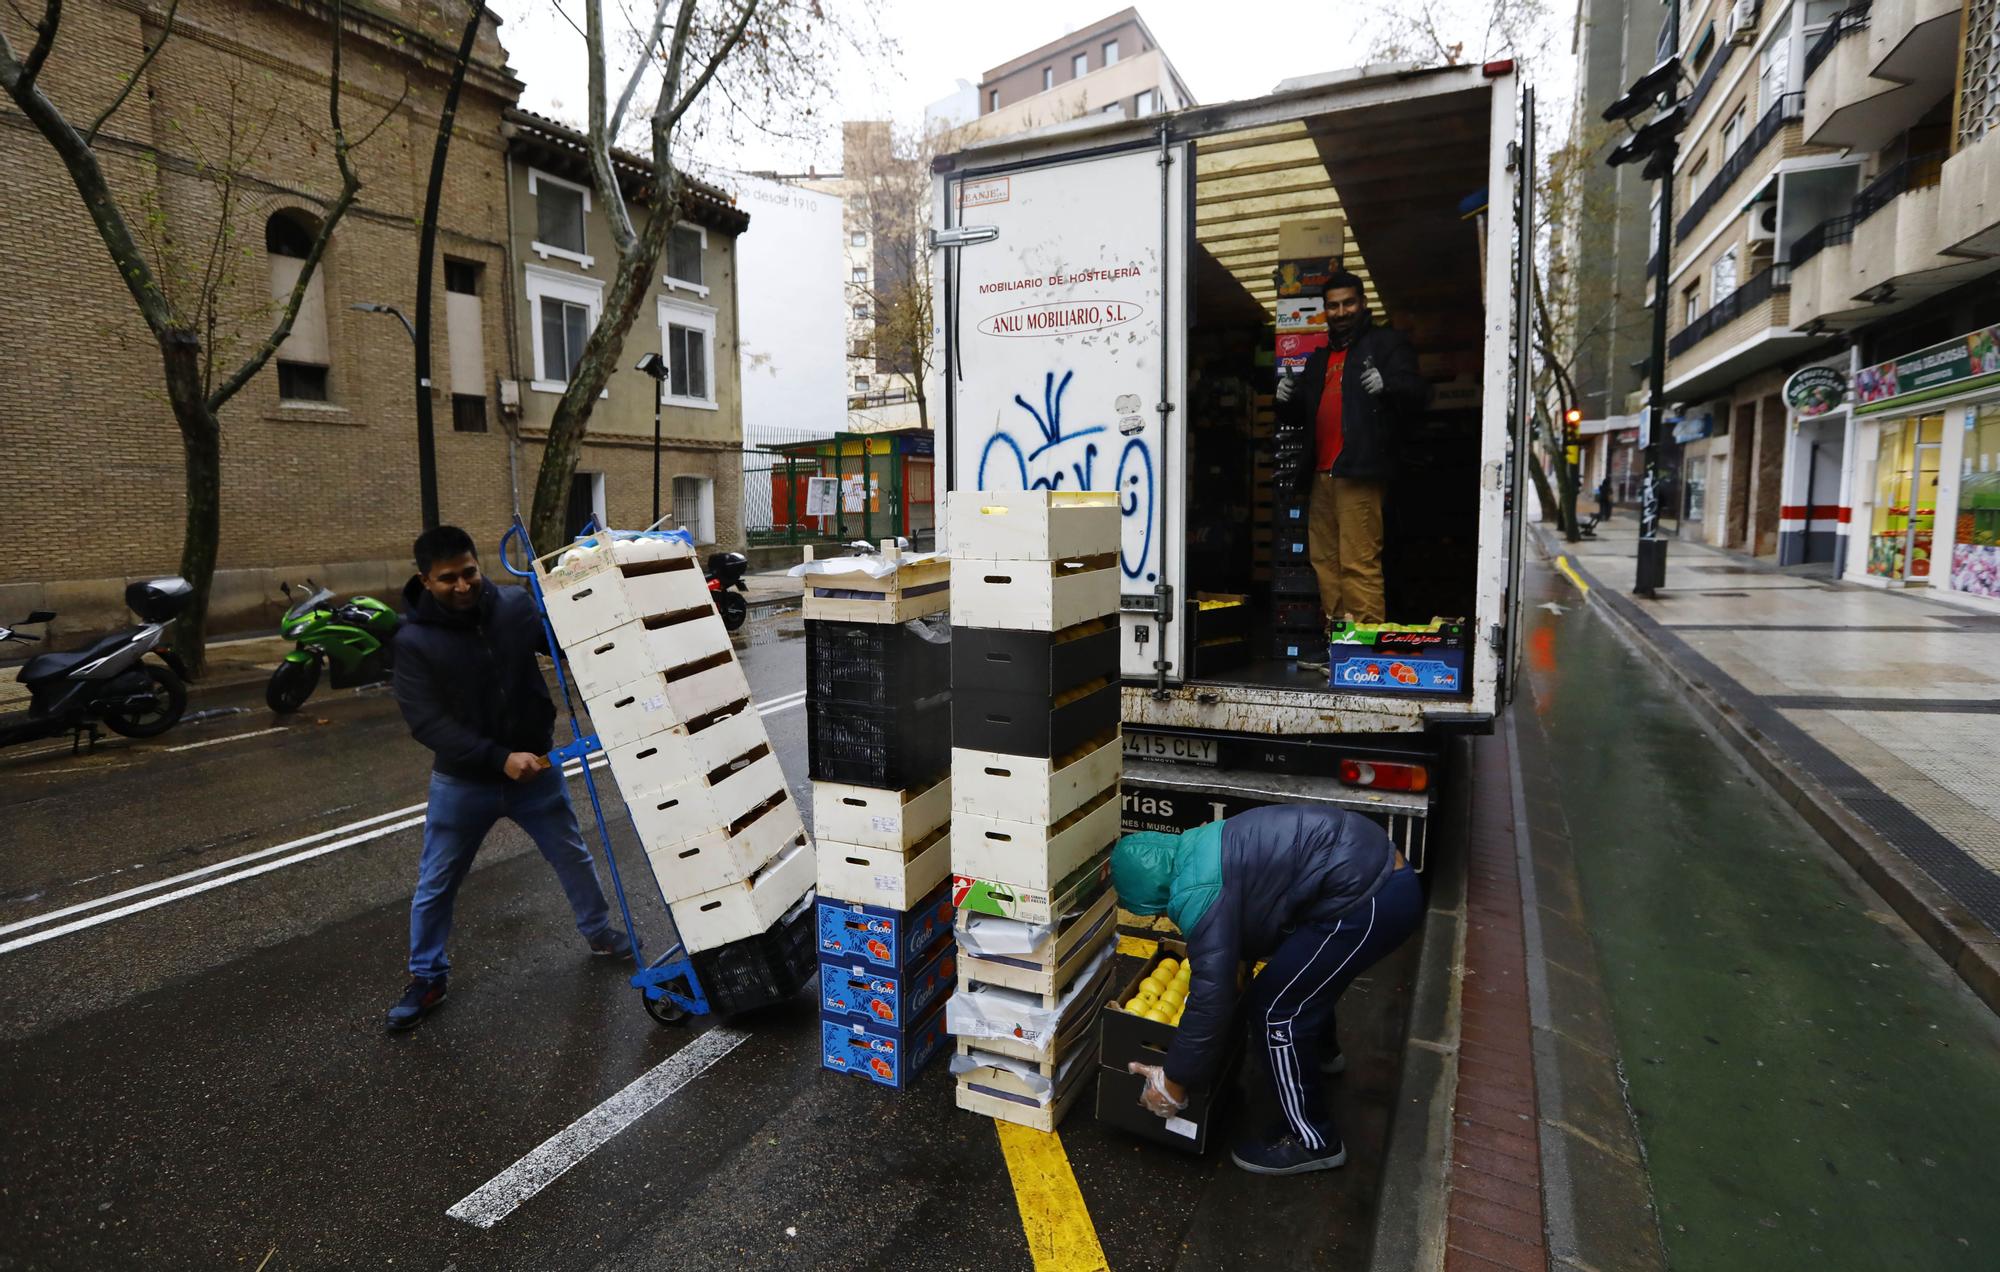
<point x="1961" y="940"/>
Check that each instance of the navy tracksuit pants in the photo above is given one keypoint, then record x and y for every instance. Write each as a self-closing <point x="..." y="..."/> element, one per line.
<point x="1290" y="1005"/>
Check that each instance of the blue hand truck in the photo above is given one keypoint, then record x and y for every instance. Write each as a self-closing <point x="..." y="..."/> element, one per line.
<point x="668" y="986"/>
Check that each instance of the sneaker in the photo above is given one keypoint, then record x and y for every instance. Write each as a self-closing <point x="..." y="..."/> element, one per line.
<point x="419" y="1000"/>
<point x="1334" y="1065"/>
<point x="1312" y="664"/>
<point x="1287" y="1156"/>
<point x="611" y="943"/>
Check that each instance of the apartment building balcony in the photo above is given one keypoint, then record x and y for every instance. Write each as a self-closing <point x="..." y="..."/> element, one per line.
<point x="1969" y="198"/>
<point x="1753" y="158"/>
<point x="1860" y="91"/>
<point x="1745" y="332"/>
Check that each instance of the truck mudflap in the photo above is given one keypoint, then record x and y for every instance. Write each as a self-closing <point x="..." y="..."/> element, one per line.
<point x="1177" y="797"/>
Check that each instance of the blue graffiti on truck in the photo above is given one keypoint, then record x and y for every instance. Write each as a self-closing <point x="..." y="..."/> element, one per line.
<point x="1062" y="461"/>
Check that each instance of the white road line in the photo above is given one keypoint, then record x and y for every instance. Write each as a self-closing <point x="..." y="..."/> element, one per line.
<point x="234" y="737"/>
<point x="502" y="1195"/>
<point x="363" y="831"/>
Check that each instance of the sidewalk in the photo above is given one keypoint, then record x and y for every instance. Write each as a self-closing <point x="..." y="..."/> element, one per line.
<point x="1874" y="712"/>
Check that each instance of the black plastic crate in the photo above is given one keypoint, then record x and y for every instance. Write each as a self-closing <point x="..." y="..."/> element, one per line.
<point x="1298" y="613"/>
<point x="1031" y="724"/>
<point x="878" y="664"/>
<point x="1036" y="664"/>
<point x="761" y="970"/>
<point x="1294" y="580"/>
<point x="893" y="748"/>
<point x="1291" y="644"/>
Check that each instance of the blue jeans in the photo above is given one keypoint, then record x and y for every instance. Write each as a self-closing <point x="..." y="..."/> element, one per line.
<point x="455" y="824"/>
<point x="1291" y="1003"/>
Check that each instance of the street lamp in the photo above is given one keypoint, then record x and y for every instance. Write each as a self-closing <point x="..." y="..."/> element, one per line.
<point x="655" y="366"/>
<point x="427" y="492"/>
<point x="1655" y="144"/>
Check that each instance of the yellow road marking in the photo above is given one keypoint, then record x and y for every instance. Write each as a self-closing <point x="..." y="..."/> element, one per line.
<point x="1562" y="563"/>
<point x="1137" y="946"/>
<point x="1061" y="1237"/>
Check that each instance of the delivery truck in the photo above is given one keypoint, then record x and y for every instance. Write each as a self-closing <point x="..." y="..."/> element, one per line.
<point x="1114" y="299"/>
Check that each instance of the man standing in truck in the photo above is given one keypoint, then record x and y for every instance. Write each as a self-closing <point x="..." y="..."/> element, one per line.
<point x="1321" y="894"/>
<point x="1355" y="395"/>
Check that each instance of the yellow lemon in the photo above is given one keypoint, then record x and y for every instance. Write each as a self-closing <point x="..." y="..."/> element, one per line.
<point x="1167" y="967"/>
<point x="1150" y="992"/>
<point x="1155" y="984"/>
<point x="1154" y="1013"/>
<point x="1172" y="1002"/>
<point x="1176" y="1020"/>
<point x="1137" y="1006"/>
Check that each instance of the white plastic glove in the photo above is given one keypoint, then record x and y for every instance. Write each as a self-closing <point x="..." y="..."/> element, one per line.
<point x="1156" y="1099"/>
<point x="1371" y="379"/>
<point x="1285" y="387"/>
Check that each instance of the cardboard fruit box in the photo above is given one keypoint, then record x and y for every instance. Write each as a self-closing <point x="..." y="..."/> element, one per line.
<point x="1433" y="658"/>
<point x="853" y="990"/>
<point x="1124" y="1037"/>
<point x="890" y="1057"/>
<point x="881" y="937"/>
<point x="1031" y="905"/>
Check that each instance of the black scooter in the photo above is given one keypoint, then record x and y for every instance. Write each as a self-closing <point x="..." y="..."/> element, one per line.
<point x="110" y="683"/>
<point x="725" y="571"/>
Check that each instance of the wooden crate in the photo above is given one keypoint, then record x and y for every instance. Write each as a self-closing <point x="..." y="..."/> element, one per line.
<point x="675" y="757"/>
<point x="1053" y="960"/>
<point x="1050" y="984"/>
<point x="872" y="818"/>
<point x="668" y="699"/>
<point x="1039" y="596"/>
<point x="1033" y="525"/>
<point x="1032" y="905"/>
<point x="1024" y="1111"/>
<point x="1077" y="1032"/>
<point x="694" y="864"/>
<point x="644" y="647"/>
<point x="608" y="586"/>
<point x="918" y="586"/>
<point x="1016" y="787"/>
<point x="886" y="877"/>
<point x="748" y="907"/>
<point x="1034" y="856"/>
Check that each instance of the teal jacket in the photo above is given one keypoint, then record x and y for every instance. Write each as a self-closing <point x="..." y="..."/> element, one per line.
<point x="1236" y="889"/>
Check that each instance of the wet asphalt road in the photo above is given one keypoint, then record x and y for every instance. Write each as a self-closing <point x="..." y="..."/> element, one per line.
<point x="205" y="1083"/>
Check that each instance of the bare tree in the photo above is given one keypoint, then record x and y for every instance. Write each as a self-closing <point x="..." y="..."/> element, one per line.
<point x="890" y="172"/>
<point x="184" y="303"/>
<point x="741" y="48"/>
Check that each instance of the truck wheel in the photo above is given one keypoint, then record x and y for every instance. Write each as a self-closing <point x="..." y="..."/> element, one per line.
<point x="152" y="718"/>
<point x="291" y="684"/>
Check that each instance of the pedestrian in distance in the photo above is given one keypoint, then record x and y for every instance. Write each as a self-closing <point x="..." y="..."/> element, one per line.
<point x="1376" y="390"/>
<point x="471" y="690"/>
<point x="1321" y="895"/>
<point x="1604" y="499"/>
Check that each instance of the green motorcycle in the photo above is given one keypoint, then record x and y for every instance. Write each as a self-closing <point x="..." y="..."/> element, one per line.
<point x="356" y="636"/>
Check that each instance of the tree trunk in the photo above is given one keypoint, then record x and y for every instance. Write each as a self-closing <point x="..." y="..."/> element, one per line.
<point x="602" y="354"/>
<point x="1541" y="480"/>
<point x="201" y="452"/>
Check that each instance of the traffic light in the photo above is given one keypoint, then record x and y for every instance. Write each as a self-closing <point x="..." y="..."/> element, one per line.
<point x="1572" y="427"/>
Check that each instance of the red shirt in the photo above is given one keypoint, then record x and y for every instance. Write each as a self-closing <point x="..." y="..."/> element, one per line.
<point x="1329" y="411"/>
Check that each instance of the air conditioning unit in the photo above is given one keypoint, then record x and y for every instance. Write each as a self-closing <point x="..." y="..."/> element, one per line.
<point x="1764" y="221"/>
<point x="1742" y="21"/>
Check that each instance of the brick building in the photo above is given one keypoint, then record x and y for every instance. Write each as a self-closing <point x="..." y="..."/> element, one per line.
<point x="319" y="449"/>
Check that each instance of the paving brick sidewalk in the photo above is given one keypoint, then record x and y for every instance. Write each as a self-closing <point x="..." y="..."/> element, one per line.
<point x="1881" y="707"/>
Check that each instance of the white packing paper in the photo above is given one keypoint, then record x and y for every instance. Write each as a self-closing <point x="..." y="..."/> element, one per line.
<point x="991" y="935"/>
<point x="991" y="1011"/>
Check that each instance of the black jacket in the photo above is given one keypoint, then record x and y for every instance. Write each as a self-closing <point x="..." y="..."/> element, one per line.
<point x="1283" y="866"/>
<point x="1368" y="421"/>
<point x="469" y="685"/>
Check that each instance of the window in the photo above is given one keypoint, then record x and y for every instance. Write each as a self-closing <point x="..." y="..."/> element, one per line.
<point x="684" y="248"/>
<point x="1722" y="279"/>
<point x="1048" y="78"/>
<point x="1146" y="103"/>
<point x="468" y="413"/>
<point x="565" y="330"/>
<point x="465" y="339"/>
<point x="306" y="353"/>
<point x="860" y="384"/>
<point x="1079" y="66"/>
<point x="1774" y="69"/>
<point x="993" y="99"/>
<point x="687" y="338"/>
<point x="858" y="275"/>
<point x="1691" y="304"/>
<point x="1111" y="52"/>
<point x="564" y="308"/>
<point x="301" y="382"/>
<point x="461" y="278"/>
<point x="1696" y="170"/>
<point x="694" y="507"/>
<point x="858" y="239"/>
<point x="560" y="207"/>
<point x="1821" y="12"/>
<point x="1732" y="132"/>
<point x="861" y="313"/>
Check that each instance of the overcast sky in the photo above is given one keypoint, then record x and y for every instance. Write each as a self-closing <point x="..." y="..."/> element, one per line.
<point x="1223" y="49"/>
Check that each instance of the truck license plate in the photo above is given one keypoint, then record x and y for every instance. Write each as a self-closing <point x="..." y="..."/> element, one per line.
<point x="1174" y="749"/>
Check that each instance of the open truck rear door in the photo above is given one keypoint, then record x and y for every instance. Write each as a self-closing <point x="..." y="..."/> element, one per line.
<point x="1521" y="406"/>
<point x="1065" y="299"/>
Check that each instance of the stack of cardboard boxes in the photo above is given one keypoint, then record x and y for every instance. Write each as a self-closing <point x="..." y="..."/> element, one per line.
<point x="1035" y="763"/>
<point x="670" y="707"/>
<point x="878" y="707"/>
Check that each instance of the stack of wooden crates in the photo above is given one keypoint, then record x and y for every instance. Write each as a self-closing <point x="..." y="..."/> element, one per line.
<point x="1035" y="764"/>
<point x="878" y="715"/>
<point x="670" y="706"/>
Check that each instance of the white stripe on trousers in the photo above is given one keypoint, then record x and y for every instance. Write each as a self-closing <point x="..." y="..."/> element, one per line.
<point x="1285" y="1074"/>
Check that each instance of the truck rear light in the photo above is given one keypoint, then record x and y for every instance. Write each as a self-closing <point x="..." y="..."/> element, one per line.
<point x="1494" y="70"/>
<point x="1381" y="775"/>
